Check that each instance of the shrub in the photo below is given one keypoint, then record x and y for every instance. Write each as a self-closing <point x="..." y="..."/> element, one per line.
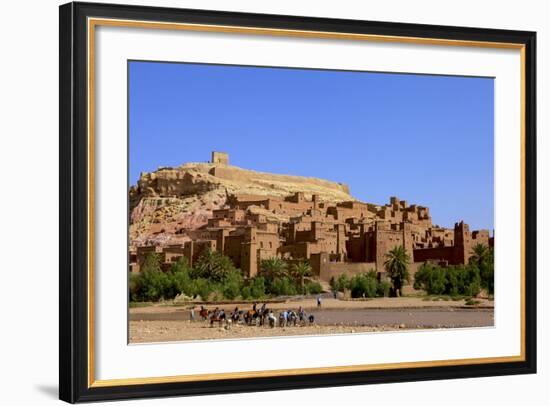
<point x="452" y="280"/>
<point x="201" y="287"/>
<point x="225" y="281"/>
<point x="232" y="284"/>
<point x="257" y="287"/>
<point x="314" y="288"/>
<point x="153" y="285"/>
<point x="282" y="287"/>
<point x="246" y="292"/>
<point x="182" y="282"/>
<point x="472" y="302"/>
<point x="383" y="289"/>
<point x="362" y="285"/>
<point x="431" y="278"/>
<point x="342" y="283"/>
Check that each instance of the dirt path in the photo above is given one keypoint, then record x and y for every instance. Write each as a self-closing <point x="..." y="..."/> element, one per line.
<point x="327" y="303"/>
<point x="426" y="318"/>
<point x="166" y="323"/>
<point x="165" y="331"/>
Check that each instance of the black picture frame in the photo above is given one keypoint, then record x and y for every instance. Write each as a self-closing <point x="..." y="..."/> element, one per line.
<point x="74" y="199"/>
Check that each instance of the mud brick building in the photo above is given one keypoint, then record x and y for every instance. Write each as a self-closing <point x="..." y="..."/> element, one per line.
<point x="334" y="236"/>
<point x="345" y="237"/>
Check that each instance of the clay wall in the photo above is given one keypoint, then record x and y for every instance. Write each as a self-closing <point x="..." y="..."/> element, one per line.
<point x="221" y="158"/>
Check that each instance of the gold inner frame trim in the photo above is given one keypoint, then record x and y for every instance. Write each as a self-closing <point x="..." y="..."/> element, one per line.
<point x="94" y="22"/>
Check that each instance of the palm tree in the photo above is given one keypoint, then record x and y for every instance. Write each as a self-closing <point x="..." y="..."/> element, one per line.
<point x="397" y="267"/>
<point x="483" y="258"/>
<point x="273" y="268"/>
<point x="480" y="254"/>
<point x="213" y="265"/>
<point x="300" y="270"/>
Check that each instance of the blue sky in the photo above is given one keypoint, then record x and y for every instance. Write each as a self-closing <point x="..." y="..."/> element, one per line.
<point x="426" y="139"/>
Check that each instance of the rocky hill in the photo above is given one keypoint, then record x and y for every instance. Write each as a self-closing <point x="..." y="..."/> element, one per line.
<point x="169" y="200"/>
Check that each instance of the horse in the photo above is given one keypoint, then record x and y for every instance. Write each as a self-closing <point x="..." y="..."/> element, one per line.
<point x="204" y="313"/>
<point x="217" y="316"/>
<point x="250" y="316"/>
<point x="262" y="315"/>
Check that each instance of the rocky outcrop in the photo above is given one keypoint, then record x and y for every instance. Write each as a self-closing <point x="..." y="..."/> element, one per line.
<point x="168" y="201"/>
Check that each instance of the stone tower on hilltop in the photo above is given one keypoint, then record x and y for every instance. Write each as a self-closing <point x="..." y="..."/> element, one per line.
<point x="220" y="158"/>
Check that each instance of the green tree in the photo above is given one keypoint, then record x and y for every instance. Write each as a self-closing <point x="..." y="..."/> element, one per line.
<point x="397" y="267"/>
<point x="273" y="268"/>
<point x="151" y="263"/>
<point x="451" y="280"/>
<point x="151" y="283"/>
<point x="180" y="274"/>
<point x="212" y="265"/>
<point x="472" y="285"/>
<point x="299" y="271"/>
<point x="480" y="254"/>
<point x="431" y="278"/>
<point x="483" y="257"/>
<point x="284" y="286"/>
<point x="154" y="285"/>
<point x="232" y="284"/>
<point x="363" y="285"/>
<point x="257" y="287"/>
<point x="342" y="283"/>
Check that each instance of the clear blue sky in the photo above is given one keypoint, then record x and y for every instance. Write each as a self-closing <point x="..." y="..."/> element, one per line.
<point x="426" y="139"/>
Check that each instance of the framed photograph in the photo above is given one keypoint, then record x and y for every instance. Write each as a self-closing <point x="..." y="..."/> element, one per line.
<point x="259" y="202"/>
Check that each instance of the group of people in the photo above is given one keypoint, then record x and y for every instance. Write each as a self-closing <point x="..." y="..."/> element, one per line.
<point x="257" y="316"/>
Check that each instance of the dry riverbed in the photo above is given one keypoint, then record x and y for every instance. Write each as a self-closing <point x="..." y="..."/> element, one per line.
<point x="162" y="323"/>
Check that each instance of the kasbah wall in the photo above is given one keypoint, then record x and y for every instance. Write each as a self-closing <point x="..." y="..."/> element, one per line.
<point x="346" y="237"/>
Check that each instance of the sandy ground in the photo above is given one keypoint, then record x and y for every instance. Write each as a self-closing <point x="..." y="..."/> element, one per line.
<point x="162" y="323"/>
<point x="163" y="331"/>
<point x="310" y="303"/>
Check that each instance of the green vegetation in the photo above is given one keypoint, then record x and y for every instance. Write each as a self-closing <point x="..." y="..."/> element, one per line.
<point x="273" y="268"/>
<point x="483" y="258"/>
<point x="461" y="280"/>
<point x="364" y="285"/>
<point x="397" y="267"/>
<point x="213" y="266"/>
<point x="214" y="277"/>
<point x="452" y="280"/>
<point x="282" y="280"/>
<point x="313" y="288"/>
<point x="299" y="271"/>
